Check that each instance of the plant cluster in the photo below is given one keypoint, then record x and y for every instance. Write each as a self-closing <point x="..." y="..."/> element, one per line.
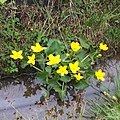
<point x="60" y="63"/>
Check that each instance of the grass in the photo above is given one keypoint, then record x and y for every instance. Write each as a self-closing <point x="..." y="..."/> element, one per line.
<point x="108" y="107"/>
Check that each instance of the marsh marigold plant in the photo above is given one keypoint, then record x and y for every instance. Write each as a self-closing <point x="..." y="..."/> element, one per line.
<point x="57" y="65"/>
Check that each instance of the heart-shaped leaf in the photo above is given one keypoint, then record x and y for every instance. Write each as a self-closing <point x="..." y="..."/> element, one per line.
<point x="81" y="85"/>
<point x="42" y="77"/>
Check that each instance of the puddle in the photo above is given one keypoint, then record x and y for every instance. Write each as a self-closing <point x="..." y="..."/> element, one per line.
<point x="25" y="94"/>
<point x="23" y="97"/>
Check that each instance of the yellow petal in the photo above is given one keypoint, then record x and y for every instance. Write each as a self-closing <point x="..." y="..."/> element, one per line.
<point x="14" y="52"/>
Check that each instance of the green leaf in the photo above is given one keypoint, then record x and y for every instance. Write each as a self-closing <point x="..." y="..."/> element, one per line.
<point x="84" y="43"/>
<point x="24" y="63"/>
<point x="81" y="85"/>
<point x="56" y="77"/>
<point x="54" y="81"/>
<point x="54" y="84"/>
<point x="89" y="72"/>
<point x="63" y="57"/>
<point x="57" y="87"/>
<point x="41" y="61"/>
<point x="62" y="93"/>
<point x="80" y="54"/>
<point x="3" y="1"/>
<point x="54" y="46"/>
<point x="86" y="63"/>
<point x="42" y="77"/>
<point x="48" y="69"/>
<point x="65" y="79"/>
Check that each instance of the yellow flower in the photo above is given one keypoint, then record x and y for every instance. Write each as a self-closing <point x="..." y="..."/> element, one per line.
<point x="100" y="75"/>
<point x="31" y="59"/>
<point x="78" y="76"/>
<point x="114" y="98"/>
<point x="62" y="70"/>
<point x="31" y="29"/>
<point x="75" y="46"/>
<point x="74" y="67"/>
<point x="16" y="55"/>
<point x="103" y="46"/>
<point x="99" y="55"/>
<point x="53" y="59"/>
<point x="67" y="54"/>
<point x="37" y="48"/>
<point x="106" y="94"/>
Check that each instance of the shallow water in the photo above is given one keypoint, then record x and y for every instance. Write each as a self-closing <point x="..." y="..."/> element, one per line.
<point x="23" y="96"/>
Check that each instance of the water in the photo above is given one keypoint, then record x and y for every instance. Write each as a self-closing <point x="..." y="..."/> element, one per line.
<point x="22" y="97"/>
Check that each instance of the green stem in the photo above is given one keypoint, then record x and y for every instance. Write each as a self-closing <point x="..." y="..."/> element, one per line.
<point x="63" y="86"/>
<point x="37" y="68"/>
<point x="84" y="58"/>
